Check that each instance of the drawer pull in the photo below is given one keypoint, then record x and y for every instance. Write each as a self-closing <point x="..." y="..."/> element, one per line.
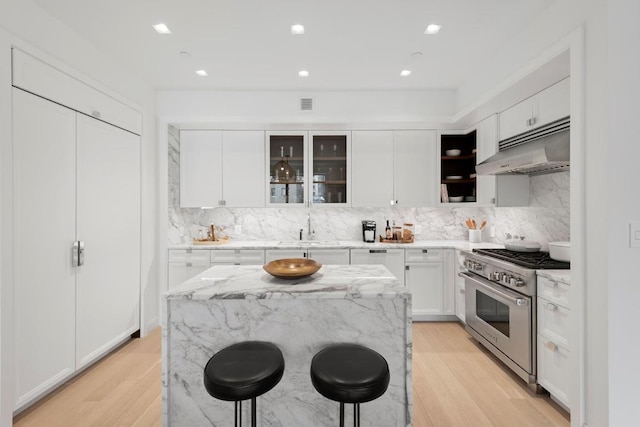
<point x="424" y="251"/>
<point x="189" y="250"/>
<point x="377" y="251"/>
<point x="189" y="264"/>
<point x="551" y="307"/>
<point x="551" y="346"/>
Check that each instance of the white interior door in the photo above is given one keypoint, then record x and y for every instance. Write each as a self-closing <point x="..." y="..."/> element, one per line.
<point x="44" y="217"/>
<point x="108" y="284"/>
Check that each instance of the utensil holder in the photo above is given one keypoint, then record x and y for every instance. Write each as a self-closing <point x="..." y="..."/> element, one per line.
<point x="475" y="236"/>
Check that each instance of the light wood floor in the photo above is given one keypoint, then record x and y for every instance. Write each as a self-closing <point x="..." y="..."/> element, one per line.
<point x="455" y="383"/>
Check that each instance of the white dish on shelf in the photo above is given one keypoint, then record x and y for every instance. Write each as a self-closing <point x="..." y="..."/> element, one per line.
<point x="453" y="177"/>
<point x="453" y="152"/>
<point x="455" y="199"/>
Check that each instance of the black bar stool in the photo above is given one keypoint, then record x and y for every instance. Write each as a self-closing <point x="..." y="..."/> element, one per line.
<point x="350" y="373"/>
<point x="244" y="371"/>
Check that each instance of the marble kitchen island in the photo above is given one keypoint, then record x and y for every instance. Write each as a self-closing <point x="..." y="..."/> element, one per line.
<point x="362" y="304"/>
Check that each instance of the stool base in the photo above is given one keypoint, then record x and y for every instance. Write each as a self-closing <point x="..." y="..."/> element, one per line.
<point x="356" y="414"/>
<point x="237" y="418"/>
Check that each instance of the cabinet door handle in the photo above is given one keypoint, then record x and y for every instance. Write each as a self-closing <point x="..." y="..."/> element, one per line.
<point x="188" y="264"/>
<point x="533" y="121"/>
<point x="406" y="267"/>
<point x="461" y="291"/>
<point x="77" y="253"/>
<point x="377" y="251"/>
<point x="551" y="307"/>
<point x="424" y="251"/>
<point x="551" y="346"/>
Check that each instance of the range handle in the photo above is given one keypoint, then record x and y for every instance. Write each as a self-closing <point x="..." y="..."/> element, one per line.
<point x="507" y="295"/>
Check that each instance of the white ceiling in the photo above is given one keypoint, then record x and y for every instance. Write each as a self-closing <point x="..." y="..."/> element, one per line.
<point x="348" y="44"/>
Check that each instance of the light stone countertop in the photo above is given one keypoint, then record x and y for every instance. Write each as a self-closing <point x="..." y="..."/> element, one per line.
<point x="253" y="282"/>
<point x="341" y="244"/>
<point x="563" y="276"/>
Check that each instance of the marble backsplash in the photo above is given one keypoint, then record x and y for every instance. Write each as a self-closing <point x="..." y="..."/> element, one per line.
<point x="545" y="220"/>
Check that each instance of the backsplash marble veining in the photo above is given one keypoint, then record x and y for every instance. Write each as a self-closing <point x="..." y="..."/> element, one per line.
<point x="547" y="218"/>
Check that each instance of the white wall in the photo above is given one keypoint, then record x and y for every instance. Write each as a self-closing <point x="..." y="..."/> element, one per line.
<point x="25" y="25"/>
<point x="624" y="201"/>
<point x="339" y="107"/>
<point x="6" y="294"/>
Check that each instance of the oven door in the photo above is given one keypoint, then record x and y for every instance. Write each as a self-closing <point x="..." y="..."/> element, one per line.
<point x="502" y="317"/>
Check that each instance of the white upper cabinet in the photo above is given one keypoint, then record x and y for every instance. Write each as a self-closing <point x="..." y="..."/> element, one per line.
<point x="501" y="190"/>
<point x="415" y="166"/>
<point x="221" y="168"/>
<point x="287" y="168"/>
<point x="38" y="77"/>
<point x="372" y="179"/>
<point x="330" y="157"/>
<point x="200" y="168"/>
<point x="394" y="168"/>
<point x="554" y="103"/>
<point x="541" y="109"/>
<point x="243" y="174"/>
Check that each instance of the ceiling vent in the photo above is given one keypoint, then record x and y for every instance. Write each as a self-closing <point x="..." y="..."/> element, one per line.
<point x="306" y="104"/>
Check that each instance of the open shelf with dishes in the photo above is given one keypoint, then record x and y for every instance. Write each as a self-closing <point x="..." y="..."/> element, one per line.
<point x="458" y="168"/>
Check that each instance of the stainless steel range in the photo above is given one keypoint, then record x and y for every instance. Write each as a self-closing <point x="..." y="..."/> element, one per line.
<point x="500" y="297"/>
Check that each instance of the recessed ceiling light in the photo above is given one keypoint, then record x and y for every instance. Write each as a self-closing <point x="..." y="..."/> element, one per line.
<point x="202" y="73"/>
<point x="432" y="29"/>
<point x="297" y="29"/>
<point x="161" y="29"/>
<point x="405" y="73"/>
<point x="303" y="73"/>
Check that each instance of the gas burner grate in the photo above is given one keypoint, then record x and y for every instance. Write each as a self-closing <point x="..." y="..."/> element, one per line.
<point x="533" y="260"/>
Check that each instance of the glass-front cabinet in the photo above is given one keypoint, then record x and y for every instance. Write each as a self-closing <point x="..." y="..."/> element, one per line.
<point x="330" y="167"/>
<point x="287" y="168"/>
<point x="308" y="168"/>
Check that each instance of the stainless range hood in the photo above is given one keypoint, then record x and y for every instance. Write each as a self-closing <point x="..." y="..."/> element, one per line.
<point x="543" y="150"/>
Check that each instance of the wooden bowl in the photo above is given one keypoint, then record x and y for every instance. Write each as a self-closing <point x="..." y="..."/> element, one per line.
<point x="292" y="268"/>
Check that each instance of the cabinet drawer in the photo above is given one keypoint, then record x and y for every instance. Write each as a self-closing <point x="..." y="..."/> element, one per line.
<point x="553" y="322"/>
<point x="554" y="371"/>
<point x="194" y="256"/>
<point x="237" y="256"/>
<point x="423" y="255"/>
<point x="40" y="78"/>
<point x="555" y="292"/>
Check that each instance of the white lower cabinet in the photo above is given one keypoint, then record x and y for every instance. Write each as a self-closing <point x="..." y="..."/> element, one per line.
<point x="554" y="371"/>
<point x="237" y="256"/>
<point x="185" y="263"/>
<point x="459" y="287"/>
<point x="273" y="254"/>
<point x="330" y="256"/>
<point x="429" y="276"/>
<point x="393" y="259"/>
<point x="324" y="256"/>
